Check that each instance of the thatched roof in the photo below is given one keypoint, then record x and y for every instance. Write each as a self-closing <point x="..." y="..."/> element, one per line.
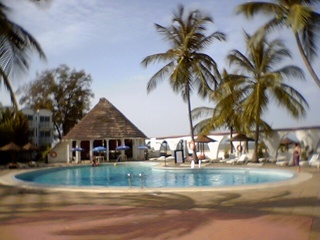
<point x="204" y="139"/>
<point x="30" y="146"/>
<point x="241" y="137"/>
<point x="104" y="121"/>
<point x="10" y="147"/>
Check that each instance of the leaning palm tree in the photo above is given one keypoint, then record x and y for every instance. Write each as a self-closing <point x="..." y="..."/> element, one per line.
<point x="186" y="67"/>
<point x="257" y="81"/>
<point x="16" y="46"/>
<point x="297" y="15"/>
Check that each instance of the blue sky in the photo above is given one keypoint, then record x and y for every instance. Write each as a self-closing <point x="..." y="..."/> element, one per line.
<point x="109" y="39"/>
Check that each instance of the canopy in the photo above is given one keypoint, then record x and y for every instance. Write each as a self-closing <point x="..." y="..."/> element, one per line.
<point x="204" y="139"/>
<point x="77" y="149"/>
<point x="99" y="149"/>
<point x="122" y="147"/>
<point x="241" y="137"/>
<point x="142" y="147"/>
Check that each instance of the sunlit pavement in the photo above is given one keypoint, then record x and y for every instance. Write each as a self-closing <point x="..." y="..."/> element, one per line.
<point x="286" y="212"/>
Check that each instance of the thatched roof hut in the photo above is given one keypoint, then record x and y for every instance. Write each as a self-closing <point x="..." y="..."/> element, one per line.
<point x="104" y="121"/>
<point x="104" y="126"/>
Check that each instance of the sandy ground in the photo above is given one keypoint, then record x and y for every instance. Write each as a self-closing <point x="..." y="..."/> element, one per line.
<point x="276" y="213"/>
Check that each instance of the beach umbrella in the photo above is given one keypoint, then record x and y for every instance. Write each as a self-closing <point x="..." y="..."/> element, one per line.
<point x="142" y="147"/>
<point x="202" y="139"/>
<point x="242" y="138"/>
<point x="122" y="148"/>
<point x="10" y="147"/>
<point x="77" y="149"/>
<point x="99" y="149"/>
<point x="30" y="147"/>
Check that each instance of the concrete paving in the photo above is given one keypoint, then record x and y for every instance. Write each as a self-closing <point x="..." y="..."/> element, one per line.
<point x="289" y="211"/>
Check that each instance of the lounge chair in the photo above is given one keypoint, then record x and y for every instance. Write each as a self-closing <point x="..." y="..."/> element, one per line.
<point x="303" y="163"/>
<point x="262" y="160"/>
<point x="314" y="161"/>
<point x="282" y="161"/>
<point x="32" y="164"/>
<point x="240" y="160"/>
<point x="272" y="160"/>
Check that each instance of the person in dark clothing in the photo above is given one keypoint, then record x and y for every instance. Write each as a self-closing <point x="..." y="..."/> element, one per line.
<point x="296" y="156"/>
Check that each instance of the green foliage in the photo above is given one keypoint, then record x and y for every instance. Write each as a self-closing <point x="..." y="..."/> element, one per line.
<point x="16" y="48"/>
<point x="65" y="92"/>
<point x="299" y="16"/>
<point x="258" y="79"/>
<point x="13" y="127"/>
<point x="186" y="67"/>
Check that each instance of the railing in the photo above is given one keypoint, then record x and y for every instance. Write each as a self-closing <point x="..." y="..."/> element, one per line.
<point x="43" y="125"/>
<point x="45" y="140"/>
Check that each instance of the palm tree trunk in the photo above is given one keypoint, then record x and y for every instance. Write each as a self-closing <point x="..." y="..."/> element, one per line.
<point x="257" y="119"/>
<point x="8" y="86"/>
<point x="306" y="61"/>
<point x="231" y="145"/>
<point x="58" y="130"/>
<point x="194" y="153"/>
<point x="256" y="142"/>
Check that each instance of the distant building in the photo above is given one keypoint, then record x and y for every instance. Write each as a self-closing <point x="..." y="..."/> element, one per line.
<point x="41" y="126"/>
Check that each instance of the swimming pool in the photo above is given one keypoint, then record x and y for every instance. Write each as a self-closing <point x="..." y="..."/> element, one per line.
<point x="142" y="175"/>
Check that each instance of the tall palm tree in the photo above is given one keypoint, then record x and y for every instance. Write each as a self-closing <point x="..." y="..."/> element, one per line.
<point x="186" y="67"/>
<point x="258" y="81"/>
<point x="297" y="15"/>
<point x="16" y="46"/>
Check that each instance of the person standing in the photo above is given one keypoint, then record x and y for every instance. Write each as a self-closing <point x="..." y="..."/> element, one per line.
<point x="296" y="156"/>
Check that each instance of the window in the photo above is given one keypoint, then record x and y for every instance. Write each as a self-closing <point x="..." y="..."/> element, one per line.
<point x="29" y="117"/>
<point x="44" y="133"/>
<point x="44" y="119"/>
<point x="31" y="131"/>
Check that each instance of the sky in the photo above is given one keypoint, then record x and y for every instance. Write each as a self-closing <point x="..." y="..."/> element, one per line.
<point x="109" y="39"/>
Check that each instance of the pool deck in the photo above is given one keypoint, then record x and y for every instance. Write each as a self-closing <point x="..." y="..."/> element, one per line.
<point x="288" y="211"/>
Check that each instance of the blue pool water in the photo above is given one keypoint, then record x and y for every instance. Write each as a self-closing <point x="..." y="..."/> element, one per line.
<point x="147" y="175"/>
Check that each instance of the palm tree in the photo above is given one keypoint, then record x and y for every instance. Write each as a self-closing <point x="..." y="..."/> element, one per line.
<point x="260" y="81"/>
<point x="297" y="15"/>
<point x="186" y="67"/>
<point x="226" y="113"/>
<point x="16" y="45"/>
